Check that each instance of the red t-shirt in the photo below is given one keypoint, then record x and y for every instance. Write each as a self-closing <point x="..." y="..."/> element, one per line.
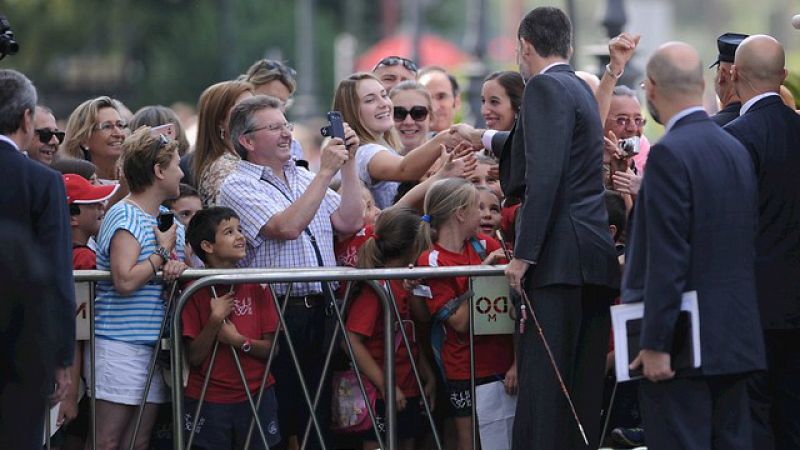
<point x="346" y="251"/>
<point x="83" y="258"/>
<point x="493" y="354"/>
<point x="366" y="318"/>
<point x="253" y="315"/>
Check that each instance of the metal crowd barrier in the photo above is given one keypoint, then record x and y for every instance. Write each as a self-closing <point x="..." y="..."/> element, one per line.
<point x="210" y="277"/>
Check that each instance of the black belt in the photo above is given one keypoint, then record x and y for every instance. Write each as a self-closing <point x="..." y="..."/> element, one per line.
<point x="308" y="301"/>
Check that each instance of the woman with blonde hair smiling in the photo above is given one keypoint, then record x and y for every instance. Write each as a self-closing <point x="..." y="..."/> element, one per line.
<point x="95" y="132"/>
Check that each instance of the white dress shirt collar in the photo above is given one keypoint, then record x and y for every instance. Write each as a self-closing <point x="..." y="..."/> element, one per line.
<point x="749" y="104"/>
<point x="557" y="63"/>
<point x="681" y="115"/>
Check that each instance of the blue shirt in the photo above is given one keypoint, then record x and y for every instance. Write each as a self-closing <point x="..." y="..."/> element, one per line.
<point x="134" y="318"/>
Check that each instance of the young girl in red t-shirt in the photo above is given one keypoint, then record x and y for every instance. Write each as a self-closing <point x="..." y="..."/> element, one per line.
<point x="450" y="225"/>
<point x="394" y="244"/>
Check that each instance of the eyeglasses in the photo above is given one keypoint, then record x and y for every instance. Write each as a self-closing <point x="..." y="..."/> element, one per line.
<point x="106" y="127"/>
<point x="46" y="134"/>
<point x="395" y="60"/>
<point x="418" y="113"/>
<point x="273" y="127"/>
<point x="283" y="69"/>
<point x="625" y="121"/>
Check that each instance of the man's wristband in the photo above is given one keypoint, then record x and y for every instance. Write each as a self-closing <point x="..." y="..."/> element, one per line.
<point x="615" y="75"/>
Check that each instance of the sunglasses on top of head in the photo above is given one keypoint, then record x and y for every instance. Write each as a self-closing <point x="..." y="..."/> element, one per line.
<point x="395" y="60"/>
<point x="283" y="69"/>
<point x="45" y="135"/>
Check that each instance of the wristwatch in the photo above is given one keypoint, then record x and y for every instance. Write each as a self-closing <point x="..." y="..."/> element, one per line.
<point x="163" y="253"/>
<point x="246" y="347"/>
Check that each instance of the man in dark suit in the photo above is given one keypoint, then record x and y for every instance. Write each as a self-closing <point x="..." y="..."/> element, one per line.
<point x="693" y="229"/>
<point x="37" y="298"/>
<point x="771" y="133"/>
<point x="563" y="252"/>
<point x="723" y="85"/>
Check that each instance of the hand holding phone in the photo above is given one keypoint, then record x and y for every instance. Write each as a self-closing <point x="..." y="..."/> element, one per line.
<point x="335" y="127"/>
<point x="165" y="221"/>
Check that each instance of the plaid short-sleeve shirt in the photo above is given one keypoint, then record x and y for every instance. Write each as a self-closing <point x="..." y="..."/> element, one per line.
<point x="256" y="194"/>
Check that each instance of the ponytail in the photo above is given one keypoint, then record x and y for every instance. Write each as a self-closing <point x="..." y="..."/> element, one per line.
<point x="396" y="236"/>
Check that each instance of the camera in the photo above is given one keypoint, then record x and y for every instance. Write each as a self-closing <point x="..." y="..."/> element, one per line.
<point x="8" y="46"/>
<point x="335" y="127"/>
<point x="630" y="146"/>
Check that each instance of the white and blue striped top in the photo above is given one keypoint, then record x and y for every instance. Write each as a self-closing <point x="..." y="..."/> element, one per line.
<point x="135" y="318"/>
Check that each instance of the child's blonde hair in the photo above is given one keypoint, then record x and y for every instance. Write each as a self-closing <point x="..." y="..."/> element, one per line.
<point x="444" y="198"/>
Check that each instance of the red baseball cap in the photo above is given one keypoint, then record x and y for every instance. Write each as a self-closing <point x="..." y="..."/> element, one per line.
<point x="81" y="191"/>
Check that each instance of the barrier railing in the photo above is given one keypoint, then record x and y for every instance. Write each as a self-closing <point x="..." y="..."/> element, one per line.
<point x="209" y="277"/>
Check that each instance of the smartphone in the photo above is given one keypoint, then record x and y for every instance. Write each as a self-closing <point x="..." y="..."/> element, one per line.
<point x="336" y="124"/>
<point x="165" y="221"/>
<point x="167" y="130"/>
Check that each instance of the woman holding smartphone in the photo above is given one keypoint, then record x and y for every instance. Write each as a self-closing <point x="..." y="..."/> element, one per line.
<point x="366" y="106"/>
<point x="130" y="308"/>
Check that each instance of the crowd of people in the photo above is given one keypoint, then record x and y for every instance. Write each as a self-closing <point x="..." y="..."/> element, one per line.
<point x="591" y="212"/>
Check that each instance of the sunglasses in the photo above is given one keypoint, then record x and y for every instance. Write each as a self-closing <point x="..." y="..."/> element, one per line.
<point x="283" y="69"/>
<point x="418" y="113"/>
<point x="45" y="135"/>
<point x="395" y="60"/>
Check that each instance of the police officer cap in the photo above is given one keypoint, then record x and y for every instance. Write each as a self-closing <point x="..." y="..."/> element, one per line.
<point x="727" y="44"/>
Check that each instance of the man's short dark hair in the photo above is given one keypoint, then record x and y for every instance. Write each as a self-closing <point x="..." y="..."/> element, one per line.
<point x="242" y="121"/>
<point x="203" y="227"/>
<point x="17" y="95"/>
<point x="549" y="30"/>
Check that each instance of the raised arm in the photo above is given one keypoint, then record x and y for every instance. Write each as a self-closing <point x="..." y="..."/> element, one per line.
<point x="349" y="218"/>
<point x="386" y="166"/>
<point x="620" y="49"/>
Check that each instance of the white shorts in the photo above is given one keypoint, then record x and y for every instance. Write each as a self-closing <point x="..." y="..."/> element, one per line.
<point x="122" y="372"/>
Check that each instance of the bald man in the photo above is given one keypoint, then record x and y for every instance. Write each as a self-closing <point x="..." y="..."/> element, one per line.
<point x="693" y="230"/>
<point x="771" y="133"/>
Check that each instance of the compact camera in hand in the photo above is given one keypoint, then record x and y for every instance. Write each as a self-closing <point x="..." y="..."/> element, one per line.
<point x="630" y="146"/>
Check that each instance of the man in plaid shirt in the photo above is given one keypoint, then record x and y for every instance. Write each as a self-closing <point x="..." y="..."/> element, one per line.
<point x="289" y="216"/>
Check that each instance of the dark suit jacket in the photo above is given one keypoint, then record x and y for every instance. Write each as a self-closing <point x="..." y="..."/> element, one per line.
<point x="694" y="228"/>
<point x="37" y="310"/>
<point x="553" y="160"/>
<point x="771" y="133"/>
<point x="727" y="114"/>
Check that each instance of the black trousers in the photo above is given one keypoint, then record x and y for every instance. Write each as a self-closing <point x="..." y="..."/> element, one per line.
<point x="307" y="327"/>
<point x="696" y="413"/>
<point x="576" y="324"/>
<point x="775" y="394"/>
<point x="22" y="408"/>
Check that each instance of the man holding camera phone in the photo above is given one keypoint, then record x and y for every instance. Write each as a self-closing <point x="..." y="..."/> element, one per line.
<point x="289" y="216"/>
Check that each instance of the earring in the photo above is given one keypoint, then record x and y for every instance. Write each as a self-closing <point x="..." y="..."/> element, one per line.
<point x="222" y="134"/>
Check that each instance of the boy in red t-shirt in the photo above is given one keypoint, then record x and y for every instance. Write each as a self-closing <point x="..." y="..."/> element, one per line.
<point x="242" y="317"/>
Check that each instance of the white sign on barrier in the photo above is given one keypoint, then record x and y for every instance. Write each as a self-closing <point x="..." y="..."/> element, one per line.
<point x="493" y="312"/>
<point x="82" y="299"/>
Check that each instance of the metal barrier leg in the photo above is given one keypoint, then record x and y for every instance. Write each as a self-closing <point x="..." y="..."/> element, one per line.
<point x="302" y="381"/>
<point x="425" y="402"/>
<point x="206" y="379"/>
<point x="270" y="358"/>
<point x="253" y="409"/>
<point x="92" y="378"/>
<point x="474" y="415"/>
<point x="340" y="324"/>
<point x="152" y="367"/>
<point x="388" y="372"/>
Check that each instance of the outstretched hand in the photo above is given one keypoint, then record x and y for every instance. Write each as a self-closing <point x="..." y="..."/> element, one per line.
<point x="621" y="49"/>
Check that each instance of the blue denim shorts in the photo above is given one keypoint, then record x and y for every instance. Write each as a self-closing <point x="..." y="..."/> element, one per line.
<point x="225" y="425"/>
